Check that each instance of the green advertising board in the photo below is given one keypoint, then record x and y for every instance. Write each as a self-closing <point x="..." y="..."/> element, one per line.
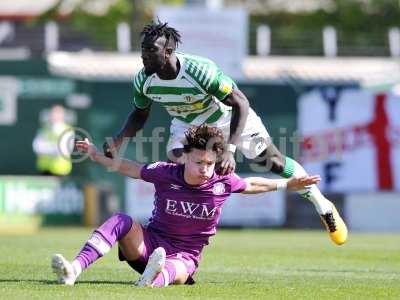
<point x="47" y="200"/>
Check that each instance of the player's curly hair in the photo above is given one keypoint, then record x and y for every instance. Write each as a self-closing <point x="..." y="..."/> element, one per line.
<point x="204" y="137"/>
<point x="157" y="29"/>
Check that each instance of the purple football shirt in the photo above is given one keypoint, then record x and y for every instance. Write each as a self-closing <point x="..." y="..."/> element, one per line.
<point x="187" y="215"/>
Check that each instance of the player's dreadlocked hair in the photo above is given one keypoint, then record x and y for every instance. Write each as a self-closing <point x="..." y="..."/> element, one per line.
<point x="204" y="138"/>
<point x="156" y="30"/>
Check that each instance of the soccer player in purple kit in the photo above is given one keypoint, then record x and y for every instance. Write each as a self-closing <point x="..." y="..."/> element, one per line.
<point x="187" y="207"/>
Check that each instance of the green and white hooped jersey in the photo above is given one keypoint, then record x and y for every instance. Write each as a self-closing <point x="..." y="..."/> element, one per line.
<point x="193" y="97"/>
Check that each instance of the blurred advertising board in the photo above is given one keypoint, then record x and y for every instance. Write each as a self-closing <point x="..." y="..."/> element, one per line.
<point x="267" y="209"/>
<point x="11" y="88"/>
<point x="51" y="199"/>
<point x="373" y="212"/>
<point x="36" y="87"/>
<point x="218" y="34"/>
<point x="8" y="100"/>
<point x="24" y="105"/>
<point x="352" y="138"/>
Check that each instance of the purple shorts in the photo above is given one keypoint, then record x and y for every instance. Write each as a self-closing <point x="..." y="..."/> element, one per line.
<point x="153" y="240"/>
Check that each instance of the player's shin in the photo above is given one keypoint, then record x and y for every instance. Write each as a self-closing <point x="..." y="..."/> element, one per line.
<point x="330" y="217"/>
<point x="102" y="240"/>
<point x="312" y="193"/>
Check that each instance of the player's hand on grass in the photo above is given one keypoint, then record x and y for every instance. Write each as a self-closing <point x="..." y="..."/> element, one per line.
<point x="86" y="146"/>
<point x="299" y="183"/>
<point x="228" y="163"/>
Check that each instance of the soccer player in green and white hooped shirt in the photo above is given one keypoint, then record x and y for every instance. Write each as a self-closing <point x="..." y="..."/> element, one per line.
<point x="195" y="91"/>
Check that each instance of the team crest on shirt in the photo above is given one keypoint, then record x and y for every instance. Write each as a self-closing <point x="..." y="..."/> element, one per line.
<point x="225" y="87"/>
<point x="219" y="188"/>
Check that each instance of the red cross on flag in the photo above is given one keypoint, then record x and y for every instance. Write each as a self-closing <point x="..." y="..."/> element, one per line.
<point x="352" y="138"/>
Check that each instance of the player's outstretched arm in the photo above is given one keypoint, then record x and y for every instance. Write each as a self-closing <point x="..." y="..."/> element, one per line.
<point x="255" y="185"/>
<point x="134" y="122"/>
<point x="123" y="166"/>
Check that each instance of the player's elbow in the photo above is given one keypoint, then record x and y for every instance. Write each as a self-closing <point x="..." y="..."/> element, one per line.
<point x="139" y="114"/>
<point x="251" y="188"/>
<point x="240" y="100"/>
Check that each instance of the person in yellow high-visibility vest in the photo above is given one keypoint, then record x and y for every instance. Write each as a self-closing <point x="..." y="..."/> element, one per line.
<point x="51" y="144"/>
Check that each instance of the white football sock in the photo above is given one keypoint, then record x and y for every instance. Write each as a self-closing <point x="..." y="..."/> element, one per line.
<point x="312" y="193"/>
<point x="77" y="267"/>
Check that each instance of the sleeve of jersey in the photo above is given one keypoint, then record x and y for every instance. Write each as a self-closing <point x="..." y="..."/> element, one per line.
<point x="139" y="99"/>
<point x="238" y="184"/>
<point x="154" y="172"/>
<point x="221" y="85"/>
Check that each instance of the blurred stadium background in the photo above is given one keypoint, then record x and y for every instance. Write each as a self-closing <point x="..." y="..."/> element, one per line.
<point x="323" y="75"/>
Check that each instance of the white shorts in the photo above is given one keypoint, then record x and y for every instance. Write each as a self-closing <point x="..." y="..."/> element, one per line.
<point x="253" y="140"/>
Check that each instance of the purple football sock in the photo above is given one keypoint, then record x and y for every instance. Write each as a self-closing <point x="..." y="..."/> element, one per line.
<point x="103" y="238"/>
<point x="166" y="276"/>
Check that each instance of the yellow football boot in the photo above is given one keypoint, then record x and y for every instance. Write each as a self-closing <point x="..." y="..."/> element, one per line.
<point x="335" y="226"/>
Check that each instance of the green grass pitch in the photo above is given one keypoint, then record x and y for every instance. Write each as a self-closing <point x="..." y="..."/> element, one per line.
<point x="239" y="264"/>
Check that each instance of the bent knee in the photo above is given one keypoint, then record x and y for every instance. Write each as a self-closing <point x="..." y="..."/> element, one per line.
<point x="121" y="215"/>
<point x="277" y="164"/>
<point x="274" y="162"/>
<point x="132" y="244"/>
<point x="123" y="220"/>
